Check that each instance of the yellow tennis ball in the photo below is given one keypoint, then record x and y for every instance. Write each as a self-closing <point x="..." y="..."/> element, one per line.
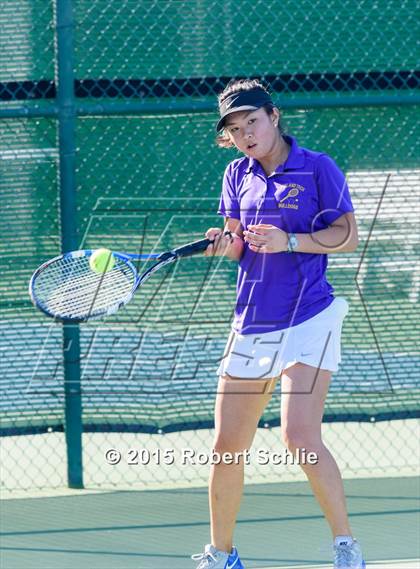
<point x="101" y="260"/>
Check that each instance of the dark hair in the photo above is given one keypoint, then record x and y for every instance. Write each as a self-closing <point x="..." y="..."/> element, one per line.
<point x="236" y="86"/>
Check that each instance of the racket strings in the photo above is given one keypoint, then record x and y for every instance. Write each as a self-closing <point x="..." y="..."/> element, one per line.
<point x="69" y="288"/>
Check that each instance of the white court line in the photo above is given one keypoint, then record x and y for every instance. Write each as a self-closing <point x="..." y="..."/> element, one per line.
<point x="383" y="564"/>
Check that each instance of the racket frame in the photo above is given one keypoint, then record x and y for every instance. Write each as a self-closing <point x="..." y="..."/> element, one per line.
<point x="163" y="259"/>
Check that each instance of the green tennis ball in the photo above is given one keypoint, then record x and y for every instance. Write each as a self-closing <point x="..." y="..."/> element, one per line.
<point x="102" y="260"/>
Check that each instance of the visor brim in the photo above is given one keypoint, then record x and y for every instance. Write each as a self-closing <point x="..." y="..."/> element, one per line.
<point x="220" y="125"/>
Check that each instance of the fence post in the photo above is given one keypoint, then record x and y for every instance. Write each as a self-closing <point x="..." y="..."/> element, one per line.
<point x="64" y="76"/>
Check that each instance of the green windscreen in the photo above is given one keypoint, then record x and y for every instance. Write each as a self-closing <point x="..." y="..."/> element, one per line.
<point x="146" y="181"/>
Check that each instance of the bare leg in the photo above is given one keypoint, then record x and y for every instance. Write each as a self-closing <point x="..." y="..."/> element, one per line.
<point x="304" y="390"/>
<point x="239" y="406"/>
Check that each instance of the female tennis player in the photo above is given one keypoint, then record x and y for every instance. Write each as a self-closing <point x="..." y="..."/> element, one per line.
<point x="286" y="208"/>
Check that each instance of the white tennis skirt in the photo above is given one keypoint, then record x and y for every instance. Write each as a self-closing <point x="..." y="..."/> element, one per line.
<point x="316" y="342"/>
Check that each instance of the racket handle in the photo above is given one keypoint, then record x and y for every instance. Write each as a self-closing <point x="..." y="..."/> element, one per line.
<point x="189" y="249"/>
<point x="192" y="248"/>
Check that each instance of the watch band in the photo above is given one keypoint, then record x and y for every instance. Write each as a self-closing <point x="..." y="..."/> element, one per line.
<point x="292" y="242"/>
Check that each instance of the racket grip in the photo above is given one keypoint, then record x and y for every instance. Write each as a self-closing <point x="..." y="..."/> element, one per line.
<point x="192" y="248"/>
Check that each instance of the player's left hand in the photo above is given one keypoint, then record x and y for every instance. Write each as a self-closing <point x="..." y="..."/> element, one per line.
<point x="265" y="238"/>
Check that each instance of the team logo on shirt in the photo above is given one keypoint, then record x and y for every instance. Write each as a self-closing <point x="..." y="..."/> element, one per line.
<point x="290" y="194"/>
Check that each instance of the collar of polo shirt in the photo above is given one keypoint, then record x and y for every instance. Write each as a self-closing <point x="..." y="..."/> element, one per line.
<point x="296" y="158"/>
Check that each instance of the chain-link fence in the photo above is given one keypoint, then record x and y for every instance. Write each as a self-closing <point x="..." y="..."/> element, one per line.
<point x="147" y="176"/>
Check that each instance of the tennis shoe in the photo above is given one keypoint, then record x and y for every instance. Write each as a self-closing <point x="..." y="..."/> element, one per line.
<point x="348" y="556"/>
<point x="212" y="558"/>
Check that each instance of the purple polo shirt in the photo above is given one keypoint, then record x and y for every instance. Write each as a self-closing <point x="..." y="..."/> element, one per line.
<point x="305" y="194"/>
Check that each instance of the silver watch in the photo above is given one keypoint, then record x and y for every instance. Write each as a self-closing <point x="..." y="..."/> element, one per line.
<point x="292" y="242"/>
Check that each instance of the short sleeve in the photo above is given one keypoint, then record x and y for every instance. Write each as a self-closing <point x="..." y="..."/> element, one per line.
<point x="333" y="191"/>
<point x="229" y="205"/>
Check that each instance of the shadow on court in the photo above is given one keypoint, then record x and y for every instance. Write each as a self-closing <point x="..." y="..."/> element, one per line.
<point x="280" y="525"/>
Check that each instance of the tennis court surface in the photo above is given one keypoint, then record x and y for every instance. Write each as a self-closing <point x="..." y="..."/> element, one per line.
<point x="280" y="525"/>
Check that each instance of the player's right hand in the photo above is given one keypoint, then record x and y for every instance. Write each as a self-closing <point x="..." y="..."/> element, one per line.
<point x="221" y="242"/>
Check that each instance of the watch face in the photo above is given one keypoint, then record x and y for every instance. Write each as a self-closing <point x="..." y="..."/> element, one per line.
<point x="292" y="242"/>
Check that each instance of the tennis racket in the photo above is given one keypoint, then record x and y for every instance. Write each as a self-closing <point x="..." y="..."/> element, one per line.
<point x="67" y="289"/>
<point x="291" y="194"/>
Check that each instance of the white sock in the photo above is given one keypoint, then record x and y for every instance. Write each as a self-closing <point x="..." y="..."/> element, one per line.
<point x="343" y="540"/>
<point x="218" y="551"/>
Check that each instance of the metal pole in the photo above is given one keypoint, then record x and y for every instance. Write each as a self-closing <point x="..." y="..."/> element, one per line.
<point x="69" y="240"/>
<point x="208" y="105"/>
